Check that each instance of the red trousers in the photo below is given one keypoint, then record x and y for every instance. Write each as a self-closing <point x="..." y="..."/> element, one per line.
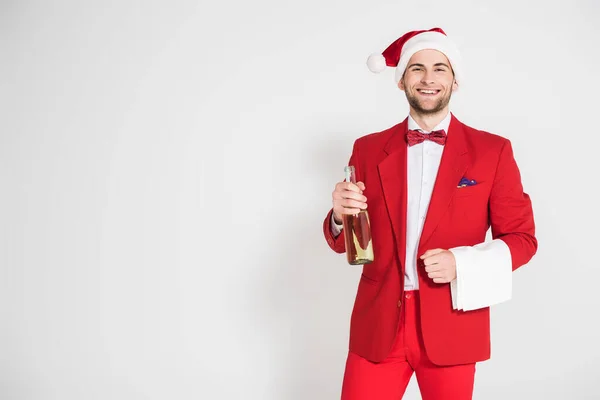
<point x="387" y="380"/>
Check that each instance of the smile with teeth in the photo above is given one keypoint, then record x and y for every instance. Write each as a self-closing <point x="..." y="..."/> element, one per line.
<point x="428" y="91"/>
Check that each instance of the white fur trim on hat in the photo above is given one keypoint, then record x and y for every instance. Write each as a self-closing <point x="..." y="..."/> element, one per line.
<point x="430" y="40"/>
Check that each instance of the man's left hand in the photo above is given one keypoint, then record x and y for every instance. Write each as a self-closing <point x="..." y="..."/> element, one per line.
<point x="440" y="265"/>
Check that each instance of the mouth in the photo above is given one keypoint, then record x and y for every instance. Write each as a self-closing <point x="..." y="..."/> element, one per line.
<point x="428" y="92"/>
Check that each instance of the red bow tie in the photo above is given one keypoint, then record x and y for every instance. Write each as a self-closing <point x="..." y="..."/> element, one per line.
<point x="415" y="137"/>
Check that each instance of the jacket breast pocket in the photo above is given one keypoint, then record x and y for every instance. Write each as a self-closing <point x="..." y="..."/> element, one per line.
<point x="475" y="190"/>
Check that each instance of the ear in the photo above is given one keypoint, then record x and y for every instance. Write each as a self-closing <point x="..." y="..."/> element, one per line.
<point x="454" y="86"/>
<point x="401" y="84"/>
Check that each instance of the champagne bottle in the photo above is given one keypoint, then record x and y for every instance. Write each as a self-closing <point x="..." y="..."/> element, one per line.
<point x="357" y="228"/>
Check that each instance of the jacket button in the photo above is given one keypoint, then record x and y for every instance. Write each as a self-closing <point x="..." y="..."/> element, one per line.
<point x="399" y="303"/>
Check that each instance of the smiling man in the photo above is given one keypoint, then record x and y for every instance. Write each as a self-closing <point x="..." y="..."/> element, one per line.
<point x="434" y="187"/>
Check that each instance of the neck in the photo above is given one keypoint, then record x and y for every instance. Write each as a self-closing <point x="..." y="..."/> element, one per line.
<point x="428" y="121"/>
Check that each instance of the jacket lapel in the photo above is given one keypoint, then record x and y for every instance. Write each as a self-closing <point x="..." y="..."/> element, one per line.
<point x="392" y="173"/>
<point x="453" y="165"/>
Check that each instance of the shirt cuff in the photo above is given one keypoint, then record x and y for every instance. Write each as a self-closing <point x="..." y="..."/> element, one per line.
<point x="483" y="275"/>
<point x="336" y="228"/>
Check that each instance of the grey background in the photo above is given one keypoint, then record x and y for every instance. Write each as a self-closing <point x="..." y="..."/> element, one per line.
<point x="166" y="167"/>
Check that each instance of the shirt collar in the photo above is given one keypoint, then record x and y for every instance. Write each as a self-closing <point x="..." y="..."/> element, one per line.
<point x="444" y="124"/>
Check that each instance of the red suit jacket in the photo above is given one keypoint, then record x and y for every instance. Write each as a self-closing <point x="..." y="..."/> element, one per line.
<point x="456" y="217"/>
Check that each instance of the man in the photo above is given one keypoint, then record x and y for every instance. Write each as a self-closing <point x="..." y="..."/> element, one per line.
<point x="433" y="187"/>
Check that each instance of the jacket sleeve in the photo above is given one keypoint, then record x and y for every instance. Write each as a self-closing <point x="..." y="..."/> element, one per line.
<point x="484" y="271"/>
<point x="336" y="243"/>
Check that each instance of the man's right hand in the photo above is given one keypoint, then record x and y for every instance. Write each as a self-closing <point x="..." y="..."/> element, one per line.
<point x="348" y="199"/>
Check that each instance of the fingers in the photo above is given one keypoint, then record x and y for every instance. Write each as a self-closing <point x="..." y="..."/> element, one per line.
<point x="349" y="203"/>
<point x="349" y="187"/>
<point x="440" y="276"/>
<point x="431" y="260"/>
<point x="435" y="275"/>
<point x="348" y="198"/>
<point x="349" y="194"/>
<point x="431" y="252"/>
<point x="440" y="268"/>
<point x="434" y="268"/>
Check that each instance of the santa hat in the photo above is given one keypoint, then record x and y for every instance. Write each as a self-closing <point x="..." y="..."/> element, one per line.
<point x="399" y="52"/>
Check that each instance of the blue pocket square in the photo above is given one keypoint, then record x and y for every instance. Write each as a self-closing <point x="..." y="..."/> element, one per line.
<point x="466" y="182"/>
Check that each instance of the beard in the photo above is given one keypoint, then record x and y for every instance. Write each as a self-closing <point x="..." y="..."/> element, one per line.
<point x="416" y="104"/>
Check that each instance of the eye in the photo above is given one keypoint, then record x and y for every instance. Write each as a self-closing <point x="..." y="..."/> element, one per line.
<point x="441" y="69"/>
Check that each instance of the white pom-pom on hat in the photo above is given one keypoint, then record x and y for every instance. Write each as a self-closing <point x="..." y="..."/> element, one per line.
<point x="376" y="63"/>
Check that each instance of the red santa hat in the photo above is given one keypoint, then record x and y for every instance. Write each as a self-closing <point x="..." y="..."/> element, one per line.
<point x="399" y="52"/>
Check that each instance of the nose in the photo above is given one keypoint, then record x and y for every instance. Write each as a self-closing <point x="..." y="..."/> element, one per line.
<point x="427" y="78"/>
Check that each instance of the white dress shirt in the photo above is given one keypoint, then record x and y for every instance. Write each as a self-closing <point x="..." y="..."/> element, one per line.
<point x="423" y="161"/>
<point x="484" y="271"/>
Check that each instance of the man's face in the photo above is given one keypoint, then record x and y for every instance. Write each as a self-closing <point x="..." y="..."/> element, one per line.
<point x="428" y="82"/>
